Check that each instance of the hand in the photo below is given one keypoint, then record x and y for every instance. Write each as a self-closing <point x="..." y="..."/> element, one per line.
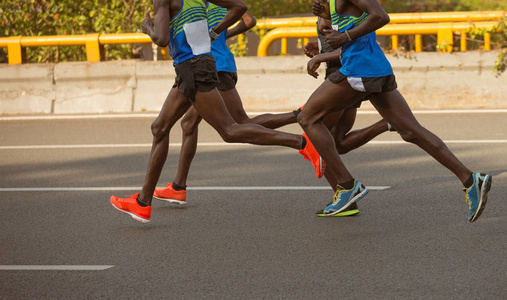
<point x="320" y="8"/>
<point x="311" y="49"/>
<point x="147" y="24"/>
<point x="335" y="38"/>
<point x="312" y="67"/>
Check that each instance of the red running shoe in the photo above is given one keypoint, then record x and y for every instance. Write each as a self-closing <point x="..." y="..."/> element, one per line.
<point x="129" y="206"/>
<point x="311" y="154"/>
<point x="169" y="194"/>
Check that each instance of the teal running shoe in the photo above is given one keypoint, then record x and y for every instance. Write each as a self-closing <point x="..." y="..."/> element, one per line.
<point x="477" y="195"/>
<point x="352" y="210"/>
<point x="343" y="199"/>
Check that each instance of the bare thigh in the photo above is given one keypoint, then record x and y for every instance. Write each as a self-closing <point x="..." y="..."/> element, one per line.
<point x="395" y="110"/>
<point x="329" y="98"/>
<point x="234" y="105"/>
<point x="212" y="109"/>
<point x="345" y="124"/>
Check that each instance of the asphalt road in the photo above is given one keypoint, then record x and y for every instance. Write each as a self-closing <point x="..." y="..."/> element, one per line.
<point x="235" y="239"/>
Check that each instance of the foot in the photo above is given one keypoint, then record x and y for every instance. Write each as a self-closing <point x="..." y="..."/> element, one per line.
<point x="169" y="194"/>
<point x="343" y="199"/>
<point x="349" y="211"/>
<point x="310" y="153"/>
<point x="130" y="206"/>
<point x="477" y="195"/>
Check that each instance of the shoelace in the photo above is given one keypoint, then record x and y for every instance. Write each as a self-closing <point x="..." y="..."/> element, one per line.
<point x="128" y="197"/>
<point x="467" y="200"/>
<point x="339" y="189"/>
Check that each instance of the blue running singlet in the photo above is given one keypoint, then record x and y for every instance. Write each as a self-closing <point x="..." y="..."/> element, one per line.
<point x="361" y="57"/>
<point x="188" y="31"/>
<point x="222" y="54"/>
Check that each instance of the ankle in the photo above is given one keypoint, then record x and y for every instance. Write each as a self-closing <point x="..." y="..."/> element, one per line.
<point x="348" y="184"/>
<point x="468" y="183"/>
<point x="141" y="203"/>
<point x="178" y="187"/>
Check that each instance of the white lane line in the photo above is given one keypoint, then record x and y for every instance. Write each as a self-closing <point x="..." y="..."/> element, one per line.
<point x="55" y="267"/>
<point x="154" y="115"/>
<point x="195" y="188"/>
<point x="221" y="144"/>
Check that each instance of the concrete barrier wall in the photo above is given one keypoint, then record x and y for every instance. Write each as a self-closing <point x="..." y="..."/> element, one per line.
<point x="427" y="80"/>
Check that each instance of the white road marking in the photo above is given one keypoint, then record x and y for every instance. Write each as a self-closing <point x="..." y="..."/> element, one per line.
<point x="55" y="267"/>
<point x="154" y="115"/>
<point x="195" y="188"/>
<point x="220" y="144"/>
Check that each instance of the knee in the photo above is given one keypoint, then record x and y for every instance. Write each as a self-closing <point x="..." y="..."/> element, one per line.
<point x="229" y="134"/>
<point x="188" y="127"/>
<point x="243" y="120"/>
<point x="341" y="148"/>
<point x="409" y="136"/>
<point x="303" y="120"/>
<point x="159" y="130"/>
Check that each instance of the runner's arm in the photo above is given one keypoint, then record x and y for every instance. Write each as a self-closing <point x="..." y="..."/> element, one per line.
<point x="158" y="30"/>
<point x="377" y="18"/>
<point x="315" y="62"/>
<point x="247" y="22"/>
<point x="235" y="10"/>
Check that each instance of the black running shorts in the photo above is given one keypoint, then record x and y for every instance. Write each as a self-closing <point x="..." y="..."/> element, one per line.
<point x="227" y="80"/>
<point x="198" y="74"/>
<point x="334" y="69"/>
<point x="370" y="85"/>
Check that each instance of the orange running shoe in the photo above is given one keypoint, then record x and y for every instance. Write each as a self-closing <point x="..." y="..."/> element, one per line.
<point x="169" y="194"/>
<point x="311" y="154"/>
<point x="129" y="206"/>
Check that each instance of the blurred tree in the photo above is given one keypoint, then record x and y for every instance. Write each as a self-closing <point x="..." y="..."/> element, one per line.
<point x="53" y="17"/>
<point x="64" y="17"/>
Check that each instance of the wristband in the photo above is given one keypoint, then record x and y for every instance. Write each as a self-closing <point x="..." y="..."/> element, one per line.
<point x="347" y="33"/>
<point x="213" y="35"/>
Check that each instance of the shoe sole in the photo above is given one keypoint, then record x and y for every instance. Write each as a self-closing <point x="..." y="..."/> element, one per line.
<point x="484" y="198"/>
<point x="135" y="217"/>
<point x="347" y="213"/>
<point x="355" y="199"/>
<point x="180" y="202"/>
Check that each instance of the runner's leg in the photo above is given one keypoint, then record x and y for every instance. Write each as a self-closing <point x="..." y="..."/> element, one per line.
<point x="213" y="110"/>
<point x="189" y="125"/>
<point x="321" y="103"/>
<point x="347" y="140"/>
<point x="395" y="110"/>
<point x="175" y="105"/>
<point x="235" y="106"/>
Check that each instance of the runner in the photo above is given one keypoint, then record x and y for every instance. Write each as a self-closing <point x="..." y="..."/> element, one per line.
<point x="182" y="24"/>
<point x="367" y="72"/>
<point x="340" y="123"/>
<point x="175" y="192"/>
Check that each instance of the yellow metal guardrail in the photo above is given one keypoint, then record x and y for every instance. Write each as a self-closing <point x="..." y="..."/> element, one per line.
<point x="444" y="32"/>
<point x="398" y="18"/>
<point x="94" y="43"/>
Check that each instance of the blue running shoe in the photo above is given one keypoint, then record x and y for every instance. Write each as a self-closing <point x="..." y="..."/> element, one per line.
<point x="343" y="199"/>
<point x="477" y="195"/>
